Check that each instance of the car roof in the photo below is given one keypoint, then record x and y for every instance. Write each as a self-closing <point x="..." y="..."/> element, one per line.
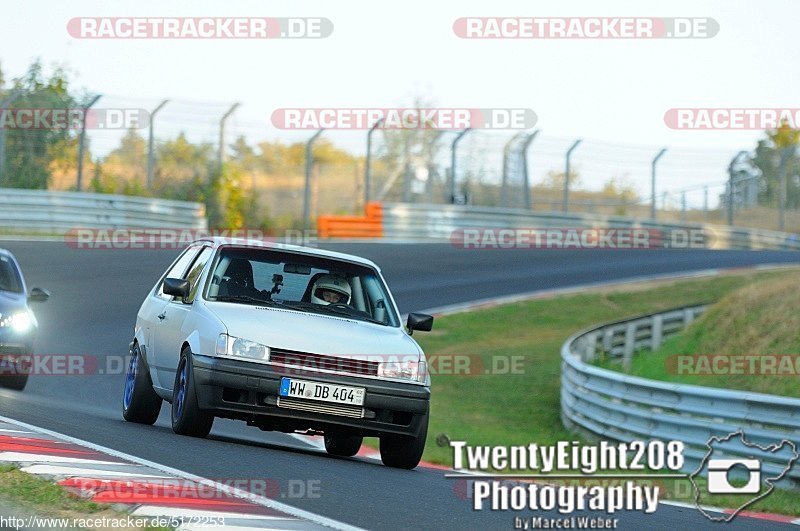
<point x="219" y="241"/>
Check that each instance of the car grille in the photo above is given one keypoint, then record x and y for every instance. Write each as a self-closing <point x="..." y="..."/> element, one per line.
<point x="359" y="367"/>
<point x="341" y="410"/>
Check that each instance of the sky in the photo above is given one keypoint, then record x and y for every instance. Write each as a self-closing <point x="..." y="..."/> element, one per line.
<point x="384" y="53"/>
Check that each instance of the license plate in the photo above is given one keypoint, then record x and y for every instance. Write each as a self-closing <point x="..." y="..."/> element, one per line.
<point x="339" y="394"/>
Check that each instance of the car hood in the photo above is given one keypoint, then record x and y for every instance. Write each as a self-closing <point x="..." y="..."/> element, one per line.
<point x="313" y="333"/>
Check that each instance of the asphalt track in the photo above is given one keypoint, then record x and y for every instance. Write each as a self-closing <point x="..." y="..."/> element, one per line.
<point x="95" y="297"/>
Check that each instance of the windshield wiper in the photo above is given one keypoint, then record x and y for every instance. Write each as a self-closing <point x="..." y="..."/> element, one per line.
<point x="356" y="314"/>
<point x="243" y="298"/>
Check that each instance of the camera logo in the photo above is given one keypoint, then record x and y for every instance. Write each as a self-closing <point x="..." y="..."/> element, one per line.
<point x="719" y="477"/>
<point x="735" y="466"/>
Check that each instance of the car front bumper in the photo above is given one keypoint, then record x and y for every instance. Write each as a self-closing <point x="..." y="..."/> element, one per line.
<point x="249" y="391"/>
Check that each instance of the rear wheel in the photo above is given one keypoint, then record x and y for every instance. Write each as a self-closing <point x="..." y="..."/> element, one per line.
<point x="403" y="451"/>
<point x="343" y="446"/>
<point x="139" y="402"/>
<point x="187" y="417"/>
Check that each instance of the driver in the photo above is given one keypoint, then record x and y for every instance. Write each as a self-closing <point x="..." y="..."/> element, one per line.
<point x="331" y="289"/>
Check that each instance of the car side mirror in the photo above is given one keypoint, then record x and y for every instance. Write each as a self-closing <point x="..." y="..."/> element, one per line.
<point x="38" y="295"/>
<point x="419" y="321"/>
<point x="177" y="287"/>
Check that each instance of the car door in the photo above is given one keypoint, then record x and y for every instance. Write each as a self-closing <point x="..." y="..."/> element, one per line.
<point x="170" y="333"/>
<point x="155" y="305"/>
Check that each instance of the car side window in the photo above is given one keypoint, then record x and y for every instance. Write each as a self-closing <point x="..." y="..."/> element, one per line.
<point x="178" y="269"/>
<point x="196" y="271"/>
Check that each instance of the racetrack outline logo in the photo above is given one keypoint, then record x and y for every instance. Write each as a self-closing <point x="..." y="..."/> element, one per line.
<point x="769" y="480"/>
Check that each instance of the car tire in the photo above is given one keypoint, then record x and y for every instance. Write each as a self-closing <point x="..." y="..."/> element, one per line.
<point x="140" y="403"/>
<point x="15" y="382"/>
<point x="343" y="446"/>
<point x="187" y="417"/>
<point x="403" y="451"/>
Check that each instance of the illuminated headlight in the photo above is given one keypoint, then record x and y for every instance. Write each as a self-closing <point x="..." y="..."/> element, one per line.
<point x="237" y="347"/>
<point x="20" y="322"/>
<point x="415" y="371"/>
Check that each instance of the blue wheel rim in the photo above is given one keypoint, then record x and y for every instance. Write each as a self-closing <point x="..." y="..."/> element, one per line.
<point x="181" y="390"/>
<point x="130" y="380"/>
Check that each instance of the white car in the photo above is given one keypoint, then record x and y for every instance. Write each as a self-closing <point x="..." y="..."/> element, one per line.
<point x="286" y="338"/>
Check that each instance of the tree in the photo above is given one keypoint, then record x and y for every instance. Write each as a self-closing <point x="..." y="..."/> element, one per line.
<point x="33" y="152"/>
<point x="768" y="160"/>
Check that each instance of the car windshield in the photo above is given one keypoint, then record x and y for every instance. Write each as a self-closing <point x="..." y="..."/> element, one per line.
<point x="315" y="284"/>
<point x="9" y="278"/>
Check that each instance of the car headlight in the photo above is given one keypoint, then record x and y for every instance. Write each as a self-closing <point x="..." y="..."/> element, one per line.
<point x="20" y="322"/>
<point x="413" y="370"/>
<point x="237" y="347"/>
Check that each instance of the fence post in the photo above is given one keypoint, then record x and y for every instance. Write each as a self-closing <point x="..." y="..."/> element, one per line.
<point x="82" y="142"/>
<point x="453" y="146"/>
<point x="731" y="172"/>
<point x="368" y="168"/>
<point x="786" y="153"/>
<point x="525" y="176"/>
<point x="565" y="200"/>
<point x="653" y="182"/>
<point x="150" y="141"/>
<point x="309" y="167"/>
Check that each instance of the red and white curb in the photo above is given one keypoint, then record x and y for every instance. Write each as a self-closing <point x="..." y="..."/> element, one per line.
<point x="145" y="489"/>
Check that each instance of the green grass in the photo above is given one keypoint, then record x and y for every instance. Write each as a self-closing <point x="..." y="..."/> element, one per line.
<point x="519" y="409"/>
<point x="759" y="319"/>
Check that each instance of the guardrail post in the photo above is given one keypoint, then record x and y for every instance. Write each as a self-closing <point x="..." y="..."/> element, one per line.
<point x="590" y="348"/>
<point x="608" y="337"/>
<point x="565" y="200"/>
<point x="629" y="346"/>
<point x="82" y="143"/>
<point x="688" y="316"/>
<point x="656" y="332"/>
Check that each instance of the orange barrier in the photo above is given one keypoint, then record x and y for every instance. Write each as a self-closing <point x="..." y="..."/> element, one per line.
<point x="368" y="226"/>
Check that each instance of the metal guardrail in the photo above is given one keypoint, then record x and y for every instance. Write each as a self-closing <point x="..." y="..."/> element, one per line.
<point x="601" y="403"/>
<point x="41" y="211"/>
<point x="438" y="222"/>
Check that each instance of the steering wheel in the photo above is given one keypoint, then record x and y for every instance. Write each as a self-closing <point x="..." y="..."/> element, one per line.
<point x="340" y="305"/>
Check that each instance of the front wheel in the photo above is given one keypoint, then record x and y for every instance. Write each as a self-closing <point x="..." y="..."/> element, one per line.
<point x="17" y="382"/>
<point x="139" y="402"/>
<point x="343" y="446"/>
<point x="403" y="451"/>
<point x="187" y="417"/>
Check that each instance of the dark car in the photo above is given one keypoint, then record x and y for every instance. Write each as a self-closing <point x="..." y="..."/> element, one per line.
<point x="18" y="325"/>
